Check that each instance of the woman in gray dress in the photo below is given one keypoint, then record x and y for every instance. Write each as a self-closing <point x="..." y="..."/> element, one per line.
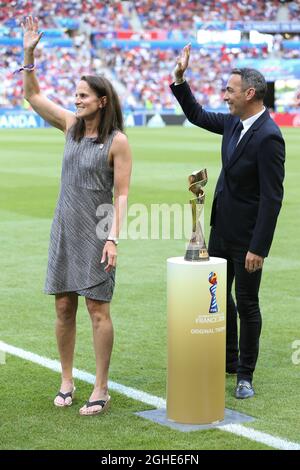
<point x="82" y="254"/>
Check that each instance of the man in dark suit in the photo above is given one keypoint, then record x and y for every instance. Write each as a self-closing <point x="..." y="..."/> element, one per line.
<point x="246" y="204"/>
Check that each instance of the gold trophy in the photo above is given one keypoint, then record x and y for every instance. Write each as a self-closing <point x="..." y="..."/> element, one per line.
<point x="196" y="250"/>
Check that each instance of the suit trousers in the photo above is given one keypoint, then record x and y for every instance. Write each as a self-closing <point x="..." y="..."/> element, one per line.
<point x="243" y="358"/>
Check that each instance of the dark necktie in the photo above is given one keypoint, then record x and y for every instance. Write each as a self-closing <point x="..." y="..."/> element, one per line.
<point x="234" y="139"/>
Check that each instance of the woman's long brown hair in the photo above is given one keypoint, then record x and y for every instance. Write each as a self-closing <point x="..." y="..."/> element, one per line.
<point x="111" y="117"/>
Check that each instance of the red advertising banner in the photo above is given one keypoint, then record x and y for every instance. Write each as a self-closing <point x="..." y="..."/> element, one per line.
<point x="286" y="119"/>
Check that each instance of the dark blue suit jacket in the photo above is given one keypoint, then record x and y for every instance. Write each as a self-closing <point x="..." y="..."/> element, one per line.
<point x="249" y="191"/>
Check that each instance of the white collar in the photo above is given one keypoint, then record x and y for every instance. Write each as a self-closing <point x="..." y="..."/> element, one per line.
<point x="247" y="123"/>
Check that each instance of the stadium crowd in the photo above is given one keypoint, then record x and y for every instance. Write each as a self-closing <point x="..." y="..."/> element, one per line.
<point x="160" y="13"/>
<point x="143" y="75"/>
<point x="152" y="14"/>
<point x="96" y="13"/>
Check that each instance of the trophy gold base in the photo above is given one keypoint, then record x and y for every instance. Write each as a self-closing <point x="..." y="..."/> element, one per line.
<point x="196" y="254"/>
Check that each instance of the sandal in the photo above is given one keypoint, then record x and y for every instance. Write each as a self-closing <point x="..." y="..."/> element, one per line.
<point x="103" y="403"/>
<point x="64" y="396"/>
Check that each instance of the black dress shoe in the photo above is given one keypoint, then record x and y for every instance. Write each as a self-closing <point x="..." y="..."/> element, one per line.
<point x="244" y="389"/>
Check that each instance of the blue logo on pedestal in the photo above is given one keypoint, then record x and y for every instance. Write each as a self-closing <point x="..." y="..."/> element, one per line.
<point x="213" y="280"/>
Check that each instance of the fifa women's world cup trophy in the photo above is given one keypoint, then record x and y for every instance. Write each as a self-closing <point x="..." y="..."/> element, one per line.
<point x="196" y="250"/>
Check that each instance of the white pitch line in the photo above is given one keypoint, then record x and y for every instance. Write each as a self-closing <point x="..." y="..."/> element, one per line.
<point x="259" y="436"/>
<point x="157" y="402"/>
<point x="83" y="375"/>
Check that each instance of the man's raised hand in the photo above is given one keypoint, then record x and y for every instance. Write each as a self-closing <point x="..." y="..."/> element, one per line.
<point x="182" y="63"/>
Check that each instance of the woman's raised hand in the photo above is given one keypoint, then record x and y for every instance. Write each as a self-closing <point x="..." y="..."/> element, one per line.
<point x="31" y="34"/>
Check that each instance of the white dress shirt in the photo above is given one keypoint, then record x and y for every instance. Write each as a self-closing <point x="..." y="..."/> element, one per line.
<point x="247" y="123"/>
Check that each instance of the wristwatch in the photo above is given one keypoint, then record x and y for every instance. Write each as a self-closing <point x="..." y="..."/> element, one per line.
<point x="113" y="239"/>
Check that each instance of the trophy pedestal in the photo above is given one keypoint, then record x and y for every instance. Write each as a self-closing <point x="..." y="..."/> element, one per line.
<point x="196" y="340"/>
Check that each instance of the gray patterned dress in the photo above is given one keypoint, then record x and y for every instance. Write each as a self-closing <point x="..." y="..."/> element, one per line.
<point x="75" y="251"/>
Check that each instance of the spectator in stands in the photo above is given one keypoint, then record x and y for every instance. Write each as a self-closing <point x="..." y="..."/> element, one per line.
<point x="246" y="204"/>
<point x="297" y="99"/>
<point x="82" y="260"/>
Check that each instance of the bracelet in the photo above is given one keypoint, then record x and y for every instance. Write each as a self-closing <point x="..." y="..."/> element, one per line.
<point x="28" y="68"/>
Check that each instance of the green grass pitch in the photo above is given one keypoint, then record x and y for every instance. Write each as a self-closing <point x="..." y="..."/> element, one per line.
<point x="30" y="165"/>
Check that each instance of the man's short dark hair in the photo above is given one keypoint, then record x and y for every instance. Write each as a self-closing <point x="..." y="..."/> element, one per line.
<point x="252" y="78"/>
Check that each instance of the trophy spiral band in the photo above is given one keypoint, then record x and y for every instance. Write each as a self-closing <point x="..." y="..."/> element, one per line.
<point x="196" y="250"/>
